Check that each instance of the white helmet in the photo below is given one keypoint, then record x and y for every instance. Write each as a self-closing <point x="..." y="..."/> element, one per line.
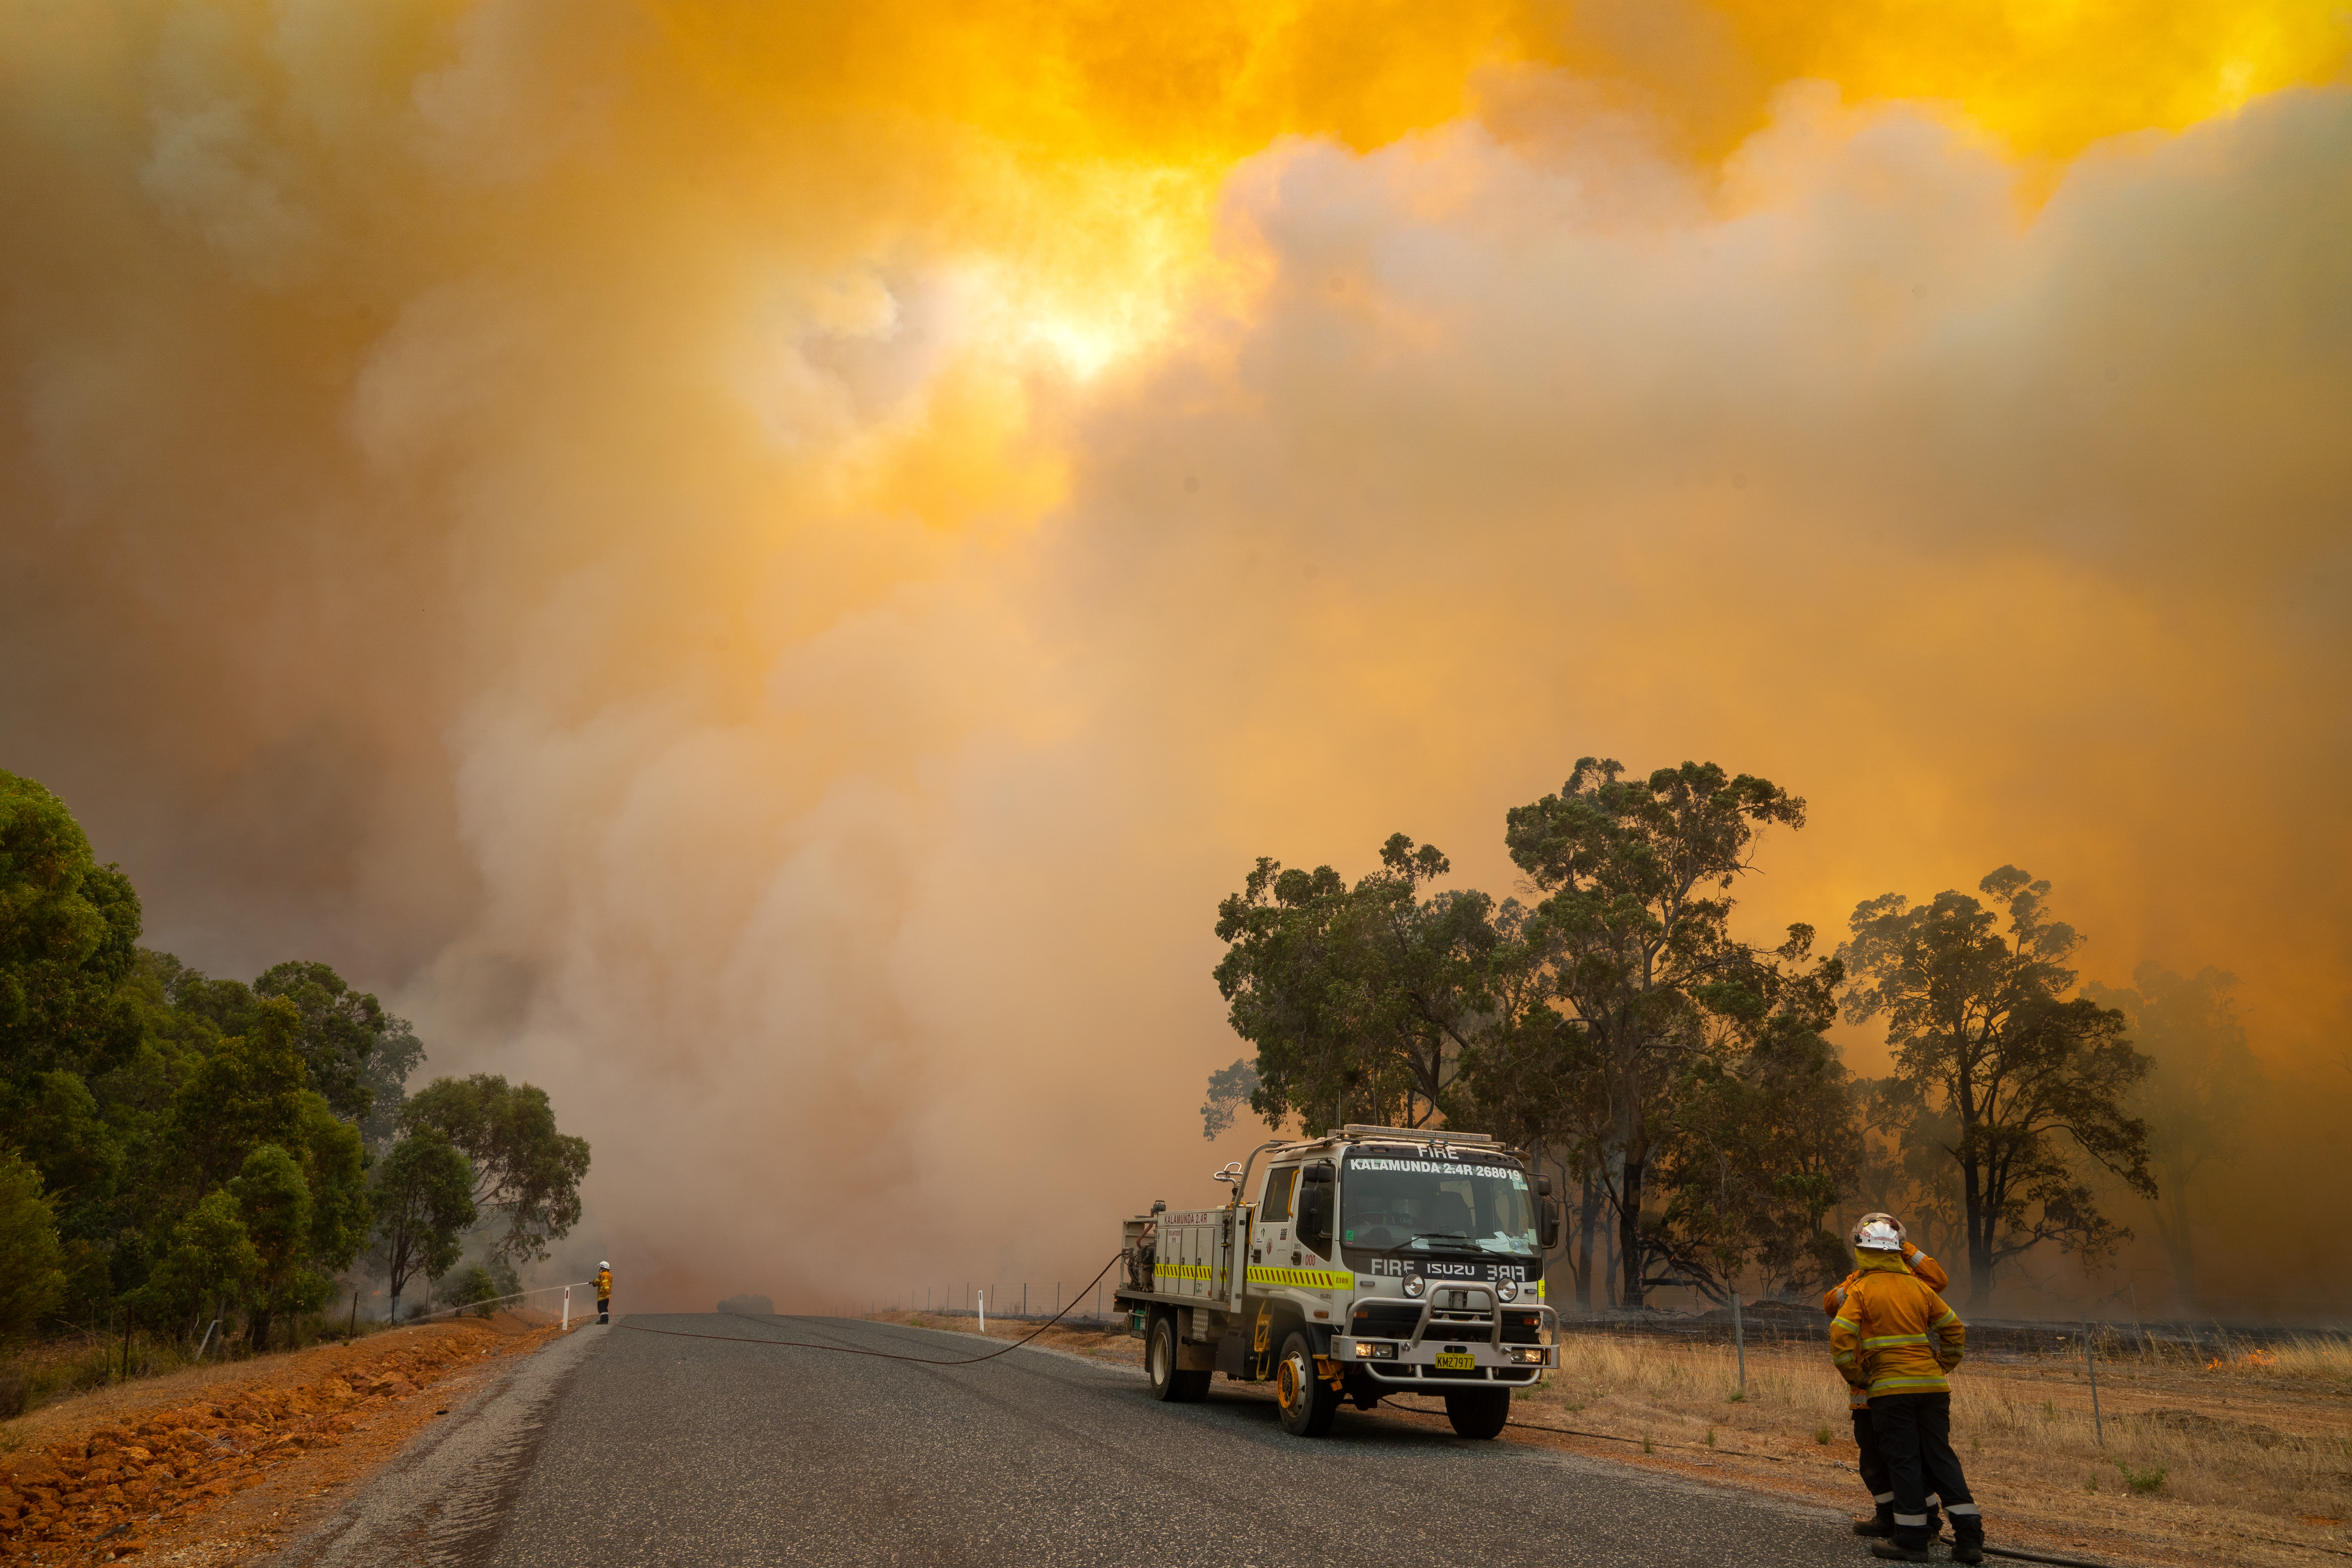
<point x="605" y="1265"/>
<point x="1878" y="1236"/>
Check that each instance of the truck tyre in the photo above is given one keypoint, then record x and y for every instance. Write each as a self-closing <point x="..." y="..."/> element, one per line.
<point x="1478" y="1411"/>
<point x="1307" y="1402"/>
<point x="1167" y="1381"/>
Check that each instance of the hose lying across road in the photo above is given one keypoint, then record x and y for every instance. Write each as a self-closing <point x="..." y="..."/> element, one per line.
<point x="887" y="1355"/>
<point x="1080" y="1294"/>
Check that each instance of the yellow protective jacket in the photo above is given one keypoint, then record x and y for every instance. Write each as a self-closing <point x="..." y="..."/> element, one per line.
<point x="1918" y="1262"/>
<point x="603" y="1283"/>
<point x="1893" y="1334"/>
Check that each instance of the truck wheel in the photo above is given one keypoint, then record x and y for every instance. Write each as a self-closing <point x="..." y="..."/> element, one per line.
<point x="1478" y="1411"/>
<point x="1307" y="1402"/>
<point x="1169" y="1382"/>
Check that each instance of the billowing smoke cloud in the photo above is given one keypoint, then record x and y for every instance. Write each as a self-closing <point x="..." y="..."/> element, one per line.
<point x="773" y="607"/>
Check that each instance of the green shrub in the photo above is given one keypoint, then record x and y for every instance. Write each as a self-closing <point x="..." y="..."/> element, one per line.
<point x="470" y="1286"/>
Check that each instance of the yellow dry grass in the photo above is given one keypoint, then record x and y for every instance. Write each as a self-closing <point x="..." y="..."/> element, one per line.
<point x="2246" y="1460"/>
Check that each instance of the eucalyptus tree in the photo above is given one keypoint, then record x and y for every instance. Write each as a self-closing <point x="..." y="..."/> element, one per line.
<point x="424" y="1201"/>
<point x="2007" y="1078"/>
<point x="527" y="1173"/>
<point x="1355" y="995"/>
<point x="1640" y="958"/>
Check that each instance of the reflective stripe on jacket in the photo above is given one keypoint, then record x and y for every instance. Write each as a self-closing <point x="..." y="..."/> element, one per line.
<point x="1894" y="1334"/>
<point x="603" y="1282"/>
<point x="1925" y="1267"/>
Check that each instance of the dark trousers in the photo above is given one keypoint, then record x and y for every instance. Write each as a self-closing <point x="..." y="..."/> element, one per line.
<point x="1914" y="1444"/>
<point x="1874" y="1474"/>
<point x="1874" y="1464"/>
<point x="604" y="1309"/>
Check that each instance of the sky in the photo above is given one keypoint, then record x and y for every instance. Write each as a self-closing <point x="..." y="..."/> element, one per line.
<point x="765" y="568"/>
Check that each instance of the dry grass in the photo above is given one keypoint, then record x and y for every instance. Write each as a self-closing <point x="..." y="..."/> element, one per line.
<point x="2245" y="1457"/>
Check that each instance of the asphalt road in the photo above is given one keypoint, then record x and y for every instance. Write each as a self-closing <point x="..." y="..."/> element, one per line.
<point x="663" y="1450"/>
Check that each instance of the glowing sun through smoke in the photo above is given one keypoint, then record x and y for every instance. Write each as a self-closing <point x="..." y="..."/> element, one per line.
<point x="768" y="563"/>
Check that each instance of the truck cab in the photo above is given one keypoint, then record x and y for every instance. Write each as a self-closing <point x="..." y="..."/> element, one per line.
<point x="1373" y="1260"/>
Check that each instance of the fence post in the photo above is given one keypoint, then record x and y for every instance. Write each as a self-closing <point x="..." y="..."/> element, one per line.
<point x="2092" y="1361"/>
<point x="1739" y="1339"/>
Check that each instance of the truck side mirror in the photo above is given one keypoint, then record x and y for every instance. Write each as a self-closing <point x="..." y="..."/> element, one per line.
<point x="1543" y="1186"/>
<point x="1549" y="1231"/>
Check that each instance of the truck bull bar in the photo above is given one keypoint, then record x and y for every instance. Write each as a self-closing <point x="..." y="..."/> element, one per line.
<point x="1458" y="1336"/>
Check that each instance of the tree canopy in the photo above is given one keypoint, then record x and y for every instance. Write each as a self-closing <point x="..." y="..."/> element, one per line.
<point x="1997" y="1070"/>
<point x="1635" y="925"/>
<point x="1362" y="995"/>
<point x="526" y="1174"/>
<point x="187" y="1147"/>
<point x="1615" y="1024"/>
<point x="1682" y="1080"/>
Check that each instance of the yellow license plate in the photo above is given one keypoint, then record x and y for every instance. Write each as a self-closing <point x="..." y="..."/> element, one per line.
<point x="1451" y="1362"/>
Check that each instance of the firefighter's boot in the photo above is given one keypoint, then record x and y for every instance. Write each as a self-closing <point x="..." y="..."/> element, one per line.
<point x="1896" y="1552"/>
<point x="1880" y="1526"/>
<point x="1968" y="1538"/>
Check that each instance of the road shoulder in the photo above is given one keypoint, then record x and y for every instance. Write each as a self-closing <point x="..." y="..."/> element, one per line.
<point x="440" y="1497"/>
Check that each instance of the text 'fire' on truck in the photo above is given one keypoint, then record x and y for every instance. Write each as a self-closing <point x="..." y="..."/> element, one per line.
<point x="1374" y="1260"/>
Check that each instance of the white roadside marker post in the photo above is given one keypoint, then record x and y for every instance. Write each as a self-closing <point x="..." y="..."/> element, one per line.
<point x="984" y="1311"/>
<point x="567" y="1309"/>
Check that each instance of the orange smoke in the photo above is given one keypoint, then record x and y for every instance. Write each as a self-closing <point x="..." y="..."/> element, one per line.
<point x="765" y="568"/>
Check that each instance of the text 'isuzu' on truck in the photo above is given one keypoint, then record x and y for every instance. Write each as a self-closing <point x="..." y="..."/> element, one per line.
<point x="1373" y="1260"/>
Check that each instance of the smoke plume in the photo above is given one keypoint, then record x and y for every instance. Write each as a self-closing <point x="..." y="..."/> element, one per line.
<point x="765" y="576"/>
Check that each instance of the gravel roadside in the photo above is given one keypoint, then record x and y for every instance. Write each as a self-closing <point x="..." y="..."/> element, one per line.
<point x="442" y="1500"/>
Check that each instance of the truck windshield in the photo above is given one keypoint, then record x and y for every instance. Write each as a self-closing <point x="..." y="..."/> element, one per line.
<point x="1394" y="1201"/>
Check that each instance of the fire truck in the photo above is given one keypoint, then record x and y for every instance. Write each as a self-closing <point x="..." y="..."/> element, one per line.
<point x="1370" y="1261"/>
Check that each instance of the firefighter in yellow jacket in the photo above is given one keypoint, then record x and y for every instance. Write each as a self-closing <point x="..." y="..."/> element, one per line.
<point x="1866" y="1440"/>
<point x="1895" y="1339"/>
<point x="604" y="1292"/>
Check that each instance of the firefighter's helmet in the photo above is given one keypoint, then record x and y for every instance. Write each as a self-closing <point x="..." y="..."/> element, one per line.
<point x="1878" y="1233"/>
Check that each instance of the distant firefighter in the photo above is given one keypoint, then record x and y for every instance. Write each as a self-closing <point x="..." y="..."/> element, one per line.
<point x="1895" y="1340"/>
<point x="604" y="1292"/>
<point x="1872" y="1464"/>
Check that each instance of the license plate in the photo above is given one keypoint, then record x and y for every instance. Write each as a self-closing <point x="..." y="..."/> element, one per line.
<point x="1447" y="1362"/>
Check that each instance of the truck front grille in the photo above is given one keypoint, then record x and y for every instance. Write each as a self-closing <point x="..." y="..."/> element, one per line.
<point x="1385" y="1320"/>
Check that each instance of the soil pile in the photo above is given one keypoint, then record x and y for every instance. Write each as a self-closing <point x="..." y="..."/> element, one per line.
<point x="107" y="1484"/>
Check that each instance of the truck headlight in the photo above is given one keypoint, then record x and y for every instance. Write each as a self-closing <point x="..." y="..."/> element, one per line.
<point x="1509" y="1289"/>
<point x="1368" y="1350"/>
<point x="1534" y="1357"/>
<point x="1414" y="1287"/>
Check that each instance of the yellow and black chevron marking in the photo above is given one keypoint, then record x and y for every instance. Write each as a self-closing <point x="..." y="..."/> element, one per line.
<point x="1182" y="1271"/>
<point x="1303" y="1279"/>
